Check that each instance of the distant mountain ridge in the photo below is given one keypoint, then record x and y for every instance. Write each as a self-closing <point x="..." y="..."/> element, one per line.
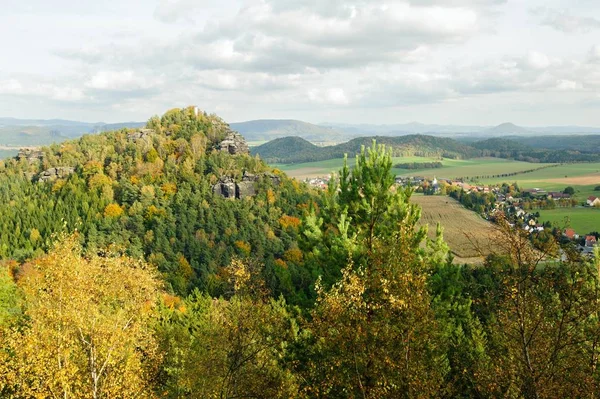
<point x="553" y="149"/>
<point x="269" y="129"/>
<point x="36" y="132"/>
<point x="457" y="130"/>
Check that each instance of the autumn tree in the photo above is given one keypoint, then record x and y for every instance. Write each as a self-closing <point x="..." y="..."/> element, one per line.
<point x="228" y="348"/>
<point x="87" y="333"/>
<point x="543" y="333"/>
<point x="9" y="308"/>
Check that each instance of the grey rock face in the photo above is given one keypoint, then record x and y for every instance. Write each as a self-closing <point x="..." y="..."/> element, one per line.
<point x="234" y="143"/>
<point x="30" y="155"/>
<point x="55" y="173"/>
<point x="228" y="188"/>
<point x="141" y="134"/>
<point x="246" y="189"/>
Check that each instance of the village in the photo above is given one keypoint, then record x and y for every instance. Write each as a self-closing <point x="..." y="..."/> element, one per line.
<point x="518" y="205"/>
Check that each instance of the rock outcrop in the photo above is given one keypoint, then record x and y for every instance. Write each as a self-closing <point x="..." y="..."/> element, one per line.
<point x="140" y="134"/>
<point x="30" y="155"/>
<point x="228" y="188"/>
<point x="52" y="174"/>
<point x="234" y="143"/>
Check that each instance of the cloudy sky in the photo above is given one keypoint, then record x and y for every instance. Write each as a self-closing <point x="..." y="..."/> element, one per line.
<point x="531" y="62"/>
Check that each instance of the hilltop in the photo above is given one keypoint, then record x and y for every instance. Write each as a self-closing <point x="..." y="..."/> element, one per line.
<point x="507" y="129"/>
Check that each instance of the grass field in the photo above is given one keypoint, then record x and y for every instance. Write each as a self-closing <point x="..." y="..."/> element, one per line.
<point x="583" y="220"/>
<point x="451" y="168"/>
<point x="468" y="235"/>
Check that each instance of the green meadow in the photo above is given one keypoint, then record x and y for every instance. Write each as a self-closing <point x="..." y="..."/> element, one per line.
<point x="583" y="220"/>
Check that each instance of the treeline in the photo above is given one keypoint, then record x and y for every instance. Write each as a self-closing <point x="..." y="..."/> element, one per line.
<point x="419" y="165"/>
<point x="500" y="175"/>
<point x="476" y="201"/>
<point x="391" y="316"/>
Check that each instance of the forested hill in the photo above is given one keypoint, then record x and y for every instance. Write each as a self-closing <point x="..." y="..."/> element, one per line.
<point x="291" y="150"/>
<point x="296" y="150"/>
<point x="158" y="193"/>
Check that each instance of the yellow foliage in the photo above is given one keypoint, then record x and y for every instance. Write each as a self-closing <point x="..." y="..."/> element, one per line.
<point x="98" y="181"/>
<point x="169" y="188"/>
<point x="88" y="333"/>
<point x="281" y="263"/>
<point x="293" y="255"/>
<point x="185" y="268"/>
<point x="92" y="168"/>
<point x="289" y="221"/>
<point x="270" y="197"/>
<point x="113" y="211"/>
<point x="153" y="211"/>
<point x="60" y="183"/>
<point x="34" y="235"/>
<point x="244" y="247"/>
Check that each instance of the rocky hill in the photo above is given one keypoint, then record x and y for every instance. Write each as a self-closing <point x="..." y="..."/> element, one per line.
<point x="182" y="192"/>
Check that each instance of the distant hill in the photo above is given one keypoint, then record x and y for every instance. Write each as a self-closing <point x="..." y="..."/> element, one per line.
<point x="296" y="150"/>
<point x="269" y="129"/>
<point x="37" y="132"/>
<point x="463" y="131"/>
<point x="506" y="129"/>
<point x="403" y="129"/>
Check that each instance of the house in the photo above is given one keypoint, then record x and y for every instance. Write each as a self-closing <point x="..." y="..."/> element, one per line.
<point x="556" y="196"/>
<point x="590" y="241"/>
<point x="593" y="201"/>
<point x="570" y="234"/>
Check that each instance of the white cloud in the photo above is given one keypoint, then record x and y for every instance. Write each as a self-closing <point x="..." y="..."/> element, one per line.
<point x="565" y="84"/>
<point x="332" y="96"/>
<point x="174" y="11"/>
<point x="10" y="86"/>
<point x="564" y="21"/>
<point x="536" y="60"/>
<point x="595" y="54"/>
<point x="119" y="81"/>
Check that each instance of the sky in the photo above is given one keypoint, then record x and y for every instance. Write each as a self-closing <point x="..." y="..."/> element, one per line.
<point x="468" y="62"/>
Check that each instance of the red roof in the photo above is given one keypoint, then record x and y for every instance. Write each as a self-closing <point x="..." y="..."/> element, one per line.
<point x="592" y="198"/>
<point x="590" y="238"/>
<point x="570" y="233"/>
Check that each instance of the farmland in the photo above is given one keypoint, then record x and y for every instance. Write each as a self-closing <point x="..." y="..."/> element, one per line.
<point x="583" y="177"/>
<point x="451" y="168"/>
<point x="583" y="220"/>
<point x="467" y="234"/>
